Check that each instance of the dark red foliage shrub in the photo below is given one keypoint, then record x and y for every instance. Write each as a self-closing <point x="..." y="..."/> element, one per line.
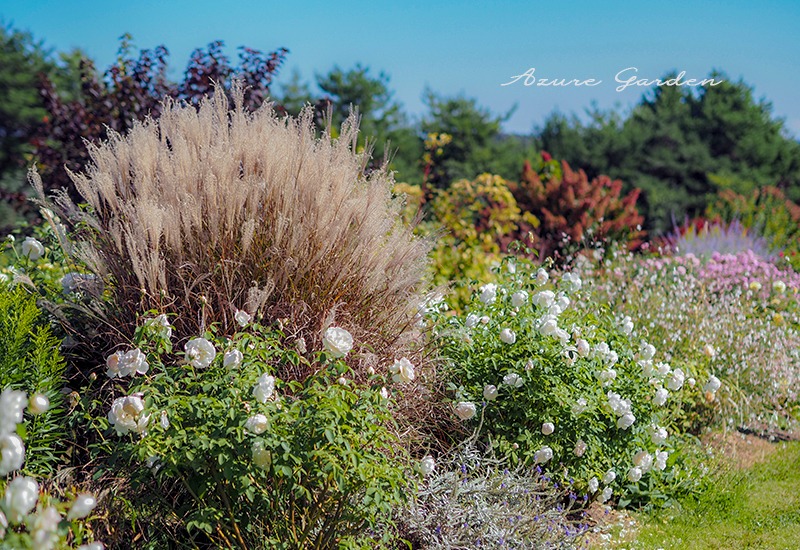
<point x="573" y="211"/>
<point x="133" y="89"/>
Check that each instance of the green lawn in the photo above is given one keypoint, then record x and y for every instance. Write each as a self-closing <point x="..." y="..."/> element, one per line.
<point x="754" y="508"/>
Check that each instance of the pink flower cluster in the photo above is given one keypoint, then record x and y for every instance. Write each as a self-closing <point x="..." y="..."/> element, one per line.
<point x="745" y="271"/>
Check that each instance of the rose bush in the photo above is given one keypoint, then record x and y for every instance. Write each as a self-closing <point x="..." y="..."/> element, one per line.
<point x="545" y="383"/>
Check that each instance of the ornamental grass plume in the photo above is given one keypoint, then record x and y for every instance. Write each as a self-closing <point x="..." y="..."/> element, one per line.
<point x="213" y="211"/>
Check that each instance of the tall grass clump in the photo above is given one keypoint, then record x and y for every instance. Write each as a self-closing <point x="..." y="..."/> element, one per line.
<point x="210" y="211"/>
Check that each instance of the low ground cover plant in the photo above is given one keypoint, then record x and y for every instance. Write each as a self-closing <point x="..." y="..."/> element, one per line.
<point x="731" y="315"/>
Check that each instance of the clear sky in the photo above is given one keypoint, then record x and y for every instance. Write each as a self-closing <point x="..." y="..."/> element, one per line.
<point x="461" y="47"/>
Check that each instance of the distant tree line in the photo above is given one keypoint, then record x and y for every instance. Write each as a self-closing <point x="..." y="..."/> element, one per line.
<point x="679" y="146"/>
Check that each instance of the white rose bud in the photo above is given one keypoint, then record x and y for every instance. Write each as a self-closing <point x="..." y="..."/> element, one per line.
<point x="465" y="410"/>
<point x="427" y="465"/>
<point x="490" y="392"/>
<point x="548" y="428"/>
<point x="82" y="507"/>
<point x="507" y="336"/>
<point x="38" y="403"/>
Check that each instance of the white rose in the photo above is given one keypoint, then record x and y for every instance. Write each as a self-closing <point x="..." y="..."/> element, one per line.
<point x="675" y="381"/>
<point x="427" y="465"/>
<point x="548" y="326"/>
<point x="660" y="397"/>
<point x="606" y="494"/>
<point x="488" y="293"/>
<point x="12" y="404"/>
<point x="507" y="336"/>
<point x="626" y="327"/>
<point x="126" y="363"/>
<point x="135" y="363"/>
<point x="242" y="317"/>
<point x="232" y="358"/>
<point x="402" y="371"/>
<point x="661" y="460"/>
<point x="12" y="453"/>
<point x="337" y="341"/>
<point x="582" y="346"/>
<point x="658" y="435"/>
<point x="161" y="325"/>
<point x="544" y="298"/>
<point x="647" y="352"/>
<point x="543" y="455"/>
<point x="609" y="477"/>
<point x="126" y="415"/>
<point x="200" y="352"/>
<point x="548" y="428"/>
<point x="541" y="276"/>
<point x="465" y="410"/>
<point x="579" y="406"/>
<point x="164" y="420"/>
<point x="82" y="507"/>
<point x="44" y="533"/>
<point x="519" y="298"/>
<point x="607" y="376"/>
<point x="32" y="248"/>
<point x="712" y="385"/>
<point x="257" y="424"/>
<point x="643" y="460"/>
<point x="472" y="320"/>
<point x="580" y="449"/>
<point x="574" y="282"/>
<point x="626" y="421"/>
<point x="635" y="474"/>
<point x="261" y="456"/>
<point x="264" y="388"/>
<point x="490" y="392"/>
<point x="593" y="485"/>
<point x="513" y="379"/>
<point x="20" y="498"/>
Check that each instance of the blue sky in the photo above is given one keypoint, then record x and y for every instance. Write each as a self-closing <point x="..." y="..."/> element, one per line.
<point x="462" y="47"/>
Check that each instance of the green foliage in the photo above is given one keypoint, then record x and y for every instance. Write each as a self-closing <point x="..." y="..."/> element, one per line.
<point x="30" y="361"/>
<point x="326" y="471"/>
<point x="511" y="358"/>
<point x="766" y="211"/>
<point x="477" y="215"/>
<point x="384" y="125"/>
<point x="674" y="142"/>
<point x="478" y="145"/>
<point x="23" y="61"/>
